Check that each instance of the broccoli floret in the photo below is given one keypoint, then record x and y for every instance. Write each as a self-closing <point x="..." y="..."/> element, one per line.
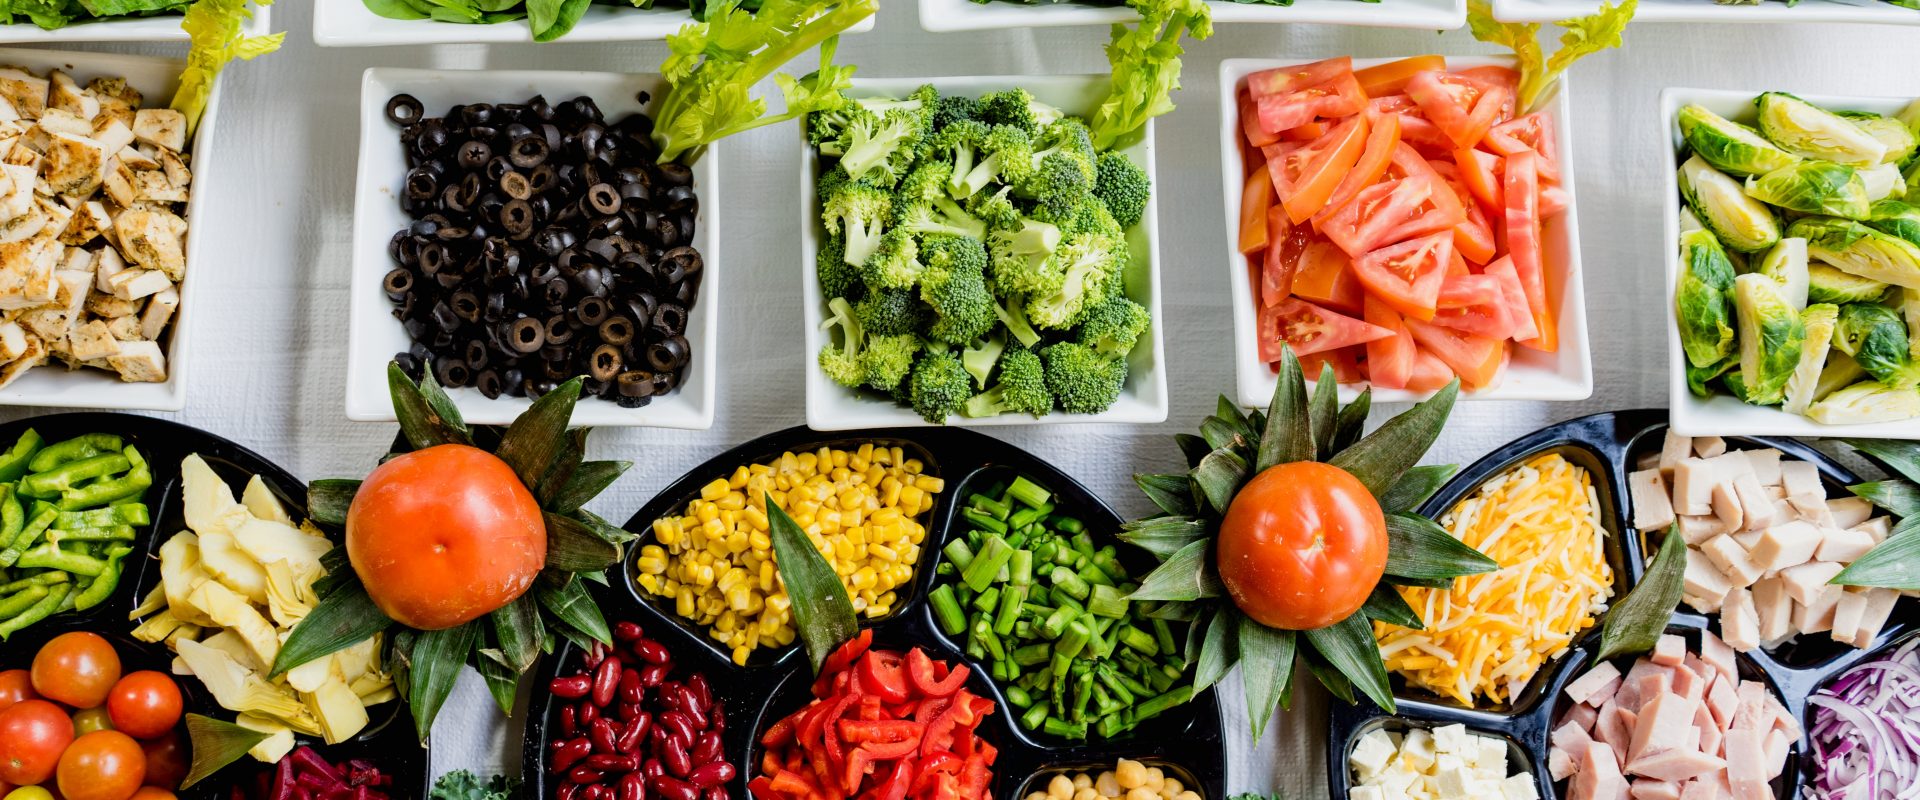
<point x="827" y="127"/>
<point x="1022" y="259"/>
<point x="952" y="109"/>
<point x="1022" y="388"/>
<point x="859" y="212"/>
<point x="1063" y="166"/>
<point x="981" y="355"/>
<point x="958" y="145"/>
<point x="837" y="277"/>
<point x="889" y="312"/>
<point x="939" y="385"/>
<point x="842" y="362"/>
<point x="1017" y="107"/>
<point x="888" y="359"/>
<point x="940" y="216"/>
<point x="925" y="184"/>
<point x="955" y="286"/>
<point x="1123" y="186"/>
<point x="1084" y="381"/>
<point x="881" y="147"/>
<point x="996" y="209"/>
<point x="1089" y="264"/>
<point x="894" y="264"/>
<point x="1113" y="327"/>
<point x="1004" y="155"/>
<point x="1083" y="215"/>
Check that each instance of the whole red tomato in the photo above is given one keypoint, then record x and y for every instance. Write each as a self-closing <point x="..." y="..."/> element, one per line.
<point x="168" y="759"/>
<point x="1302" y="546"/>
<point x="15" y="685"/>
<point x="445" y="535"/>
<point x="33" y="734"/>
<point x="103" y="765"/>
<point x="152" y="793"/>
<point x="144" y="704"/>
<point x="77" y="669"/>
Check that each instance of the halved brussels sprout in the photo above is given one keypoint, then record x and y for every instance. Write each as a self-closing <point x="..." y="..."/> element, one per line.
<point x="1910" y="313"/>
<point x="1689" y="221"/>
<point x="1771" y="336"/>
<point x="1882" y="183"/>
<point x="1910" y="117"/>
<point x="1899" y="139"/>
<point x="1866" y="402"/>
<point x="1814" y="132"/>
<point x="1877" y="338"/>
<point x="1860" y="250"/>
<point x="1729" y="146"/>
<point x="1841" y="371"/>
<point x="1896" y="218"/>
<point x="1819" y="321"/>
<point x="1786" y="264"/>
<point x="1700" y="299"/>
<point x="1736" y="385"/>
<point x="1814" y="187"/>
<point x="1700" y="379"/>
<point x="1738" y="221"/>
<point x="1826" y="284"/>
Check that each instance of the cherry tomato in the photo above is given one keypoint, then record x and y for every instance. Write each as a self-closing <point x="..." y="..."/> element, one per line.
<point x="444" y="535"/>
<point x="145" y="704"/>
<point x="77" y="669"/>
<point x="15" y="685"/>
<point x="88" y="720"/>
<point x="168" y="759"/>
<point x="33" y="733"/>
<point x="103" y="765"/>
<point x="1302" y="546"/>
<point x="30" y="793"/>
<point x="152" y="793"/>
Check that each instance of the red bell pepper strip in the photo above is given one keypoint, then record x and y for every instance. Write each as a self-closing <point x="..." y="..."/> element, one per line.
<point x="895" y="787"/>
<point x="887" y="751"/>
<point x="921" y="670"/>
<point x="883" y="731"/>
<point x="884" y="674"/>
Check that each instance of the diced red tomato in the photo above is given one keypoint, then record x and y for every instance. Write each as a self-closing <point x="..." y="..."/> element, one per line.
<point x="1476" y="359"/>
<point x="1383" y="140"/>
<point x="1309" y="329"/>
<point x="1324" y="274"/>
<point x="1391" y="77"/>
<point x="1305" y="133"/>
<point x="1289" y="97"/>
<point x="1389" y="358"/>
<point x="1474" y="304"/>
<point x="1473" y="238"/>
<point x="1523" y="244"/>
<point x="1429" y="373"/>
<point x="1344" y="362"/>
<point x="1515" y="297"/>
<point x="1467" y="290"/>
<point x="1463" y="108"/>
<point x="1250" y="122"/>
<point x="1553" y="202"/>
<point x="1408" y="275"/>
<point x="1255" y="198"/>
<point x="1396" y="104"/>
<point x="1492" y="76"/>
<point x="1283" y="250"/>
<point x="1394" y="211"/>
<point x="1480" y="172"/>
<point x="1533" y="132"/>
<point x="1305" y="177"/>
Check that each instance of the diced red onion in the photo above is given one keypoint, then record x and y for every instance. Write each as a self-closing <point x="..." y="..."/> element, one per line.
<point x="1866" y="731"/>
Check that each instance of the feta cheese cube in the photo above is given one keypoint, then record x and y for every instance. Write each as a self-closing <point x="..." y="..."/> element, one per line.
<point x="1519" y="787"/>
<point x="1452" y="740"/>
<point x="1371" y="754"/>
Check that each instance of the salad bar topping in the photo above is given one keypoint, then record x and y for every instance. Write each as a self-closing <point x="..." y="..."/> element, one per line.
<point x="631" y="727"/>
<point x="1763" y="542"/>
<point x="306" y="773"/>
<point x="1799" y="286"/>
<point x="75" y="722"/>
<point x="1490" y="634"/>
<point x="231" y="588"/>
<point x="548" y="19"/>
<point x="69" y="514"/>
<point x="1866" y="729"/>
<point x="546" y="243"/>
<point x="91" y="199"/>
<point x="1030" y="596"/>
<point x="1676" y="721"/>
<point x="1128" y="780"/>
<point x="976" y="254"/>
<point x="1445" y="762"/>
<point x="1370" y="213"/>
<point x="56" y="14"/>
<point x="861" y="508"/>
<point x="882" y="724"/>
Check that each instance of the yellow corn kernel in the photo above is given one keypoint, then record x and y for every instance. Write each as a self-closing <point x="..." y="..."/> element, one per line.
<point x="733" y="501"/>
<point x="929" y="483"/>
<point x="683" y="604"/>
<point x="651" y="583"/>
<point x="739" y="478"/>
<point x="882" y="552"/>
<point x="879" y="610"/>
<point x="910" y="496"/>
<point x="651" y="565"/>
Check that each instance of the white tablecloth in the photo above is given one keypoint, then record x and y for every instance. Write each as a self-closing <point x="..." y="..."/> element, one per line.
<point x="272" y="326"/>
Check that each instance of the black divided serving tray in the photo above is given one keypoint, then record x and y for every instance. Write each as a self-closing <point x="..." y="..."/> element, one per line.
<point x="1608" y="446"/>
<point x="388" y="738"/>
<point x="1186" y="742"/>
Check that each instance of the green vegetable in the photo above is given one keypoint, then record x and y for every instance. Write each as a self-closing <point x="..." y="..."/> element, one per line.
<point x="1865" y="402"/>
<point x="1123" y="186"/>
<point x="1813" y="187"/>
<point x="1803" y="387"/>
<point x="1901" y="141"/>
<point x="1786" y="264"/>
<point x="1771" y="336"/>
<point x="1740" y="222"/>
<point x="1810" y="131"/>
<point x="1539" y="72"/>
<point x="1860" y="250"/>
<point x="1896" y="218"/>
<point x="1145" y="63"/>
<point x="56" y="14"/>
<point x="216" y="30"/>
<point x="67" y="523"/>
<point x="1729" y="146"/>
<point x="464" y="785"/>
<point x="1702" y="300"/>
<point x="1876" y="337"/>
<point x="822" y="611"/>
<point x="1826" y="284"/>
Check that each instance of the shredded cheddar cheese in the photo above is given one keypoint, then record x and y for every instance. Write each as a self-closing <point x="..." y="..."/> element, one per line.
<point x="1490" y="633"/>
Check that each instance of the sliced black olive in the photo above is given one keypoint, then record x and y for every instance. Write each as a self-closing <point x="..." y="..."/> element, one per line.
<point x="474" y="154"/>
<point x="616" y="331"/>
<point x="559" y="330"/>
<point x="526" y="335"/>
<point x="591" y="311"/>
<point x="489" y="384"/>
<point x="670" y="318"/>
<point x="397" y="283"/>
<point x="676" y="174"/>
<point x="466" y="305"/>
<point x="404" y="109"/>
<point x="452" y="372"/>
<point x="604" y="364"/>
<point x="637" y="383"/>
<point x="477" y="354"/>
<point x="422" y="183"/>
<point x="669" y="354"/>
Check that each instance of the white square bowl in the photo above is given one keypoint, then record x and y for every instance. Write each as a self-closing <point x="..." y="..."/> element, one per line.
<point x="1722" y="415"/>
<point x="375" y="336"/>
<point x="129" y="29"/>
<point x="348" y="23"/>
<point x="52" y="384"/>
<point x="942" y="16"/>
<point x="1710" y="11"/>
<point x="1532" y="375"/>
<point x="832" y="407"/>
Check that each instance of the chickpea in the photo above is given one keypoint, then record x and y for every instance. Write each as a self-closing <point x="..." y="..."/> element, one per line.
<point x="1107" y="785"/>
<point x="1131" y="774"/>
<point x="1155" y="778"/>
<point x="1060" y="788"/>
<point x="1037" y="796"/>
<point x="1142" y="793"/>
<point x="1171" y="787"/>
<point x="1188" y="795"/>
<point x="1082" y="781"/>
<point x="1086" y="794"/>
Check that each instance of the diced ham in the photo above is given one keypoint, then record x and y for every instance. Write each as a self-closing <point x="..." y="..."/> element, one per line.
<point x="1669" y="651"/>
<point x="1766" y="465"/>
<point x="1777" y="746"/>
<point x="1581" y="714"/>
<point x="1700" y="789"/>
<point x="1662" y="726"/>
<point x="1687" y="684"/>
<point x="1709" y="446"/>
<point x="1746" y="764"/>
<point x="1674" y="449"/>
<point x="1652" y="505"/>
<point x="1568" y="740"/>
<point x="1718" y="655"/>
<point x="1598" y="776"/>
<point x="1804" y="582"/>
<point x="1655" y="790"/>
<point x="1614" y="728"/>
<point x="1709" y="728"/>
<point x="1753" y="713"/>
<point x="1786" y="545"/>
<point x="1587" y="685"/>
<point x="1676" y="765"/>
<point x="1722" y="701"/>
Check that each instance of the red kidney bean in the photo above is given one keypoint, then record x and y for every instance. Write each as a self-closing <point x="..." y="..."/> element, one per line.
<point x="696" y="715"/>
<point x="701" y="690"/>
<point x="717" y="719"/>
<point x="568" y="722"/>
<point x="673" y="789"/>
<point x="569" y="791"/>
<point x="635" y="733"/>
<point x="595" y="655"/>
<point x="717" y="793"/>
<point x="677" y="723"/>
<point x="675" y="757"/>
<point x="633" y="786"/>
<point x="630" y="710"/>
<point x="602" y="735"/>
<point x="651" y="652"/>
<point x="570" y="753"/>
<point x="572" y="688"/>
<point x="587" y="714"/>
<point x="626" y="631"/>
<point x="630" y="689"/>
<point x="711" y="774"/>
<point x="652" y="768"/>
<point x="706" y="748"/>
<point x="597" y="793"/>
<point x="652" y="674"/>
<point x="584" y="775"/>
<point x="613" y="762"/>
<point x="606" y="681"/>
